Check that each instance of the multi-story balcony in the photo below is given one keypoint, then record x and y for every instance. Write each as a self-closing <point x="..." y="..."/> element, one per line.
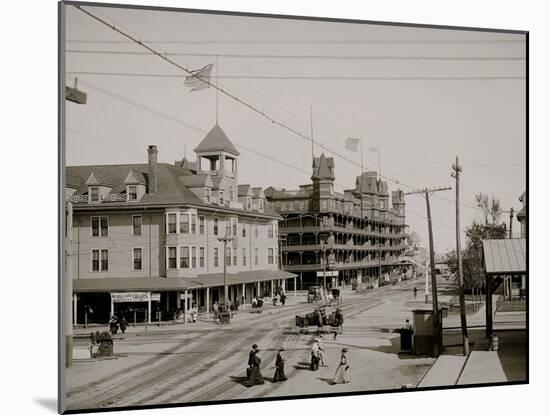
<point x="339" y="265"/>
<point x="319" y="247"/>
<point x="315" y="229"/>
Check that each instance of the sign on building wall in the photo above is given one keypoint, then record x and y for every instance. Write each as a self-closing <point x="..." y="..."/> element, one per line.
<point x="132" y="297"/>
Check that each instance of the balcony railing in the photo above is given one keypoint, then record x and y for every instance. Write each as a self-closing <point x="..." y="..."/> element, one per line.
<point x="339" y="265"/>
<point x="115" y="197"/>
<point x="334" y="228"/>
<point x="79" y="199"/>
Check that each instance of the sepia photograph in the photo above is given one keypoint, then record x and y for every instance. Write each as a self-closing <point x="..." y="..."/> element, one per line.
<point x="264" y="207"/>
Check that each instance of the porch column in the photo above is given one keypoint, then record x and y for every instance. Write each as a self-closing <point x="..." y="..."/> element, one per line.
<point x="207" y="302"/>
<point x="259" y="294"/>
<point x="178" y="299"/>
<point x="272" y="288"/>
<point x="75" y="303"/>
<point x="294" y="286"/>
<point x="244" y="295"/>
<point x="283" y="284"/>
<point x="184" y="306"/>
<point x="149" y="308"/>
<point x="112" y="306"/>
<point x="488" y="306"/>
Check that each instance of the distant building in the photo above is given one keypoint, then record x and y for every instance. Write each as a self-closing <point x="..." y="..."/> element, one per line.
<point x="522" y="215"/>
<point x="354" y="233"/>
<point x="145" y="236"/>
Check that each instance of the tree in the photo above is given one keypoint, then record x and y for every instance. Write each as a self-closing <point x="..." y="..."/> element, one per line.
<point x="490" y="207"/>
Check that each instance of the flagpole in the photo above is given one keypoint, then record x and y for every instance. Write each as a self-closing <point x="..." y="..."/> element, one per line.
<point x="362" y="178"/>
<point x="217" y="93"/>
<point x="311" y="133"/>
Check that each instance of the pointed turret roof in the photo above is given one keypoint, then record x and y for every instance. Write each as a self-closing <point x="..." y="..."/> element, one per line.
<point x="323" y="168"/>
<point x="216" y="140"/>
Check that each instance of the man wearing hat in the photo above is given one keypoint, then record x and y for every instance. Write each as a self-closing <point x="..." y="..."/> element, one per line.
<point x="316" y="355"/>
<point x="280" y="366"/>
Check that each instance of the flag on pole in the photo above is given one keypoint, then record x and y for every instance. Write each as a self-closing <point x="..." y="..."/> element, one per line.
<point x="376" y="149"/>
<point x="197" y="81"/>
<point x="352" y="143"/>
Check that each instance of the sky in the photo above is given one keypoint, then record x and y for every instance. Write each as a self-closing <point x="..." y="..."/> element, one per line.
<point x="374" y="82"/>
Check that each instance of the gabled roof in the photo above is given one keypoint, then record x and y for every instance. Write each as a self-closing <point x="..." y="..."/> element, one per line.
<point x="257" y="192"/>
<point x="135" y="178"/>
<point x="245" y="190"/>
<point x="505" y="256"/>
<point x="197" y="180"/>
<point x="367" y="183"/>
<point x="323" y="168"/>
<point x="95" y="179"/>
<point x="216" y="140"/>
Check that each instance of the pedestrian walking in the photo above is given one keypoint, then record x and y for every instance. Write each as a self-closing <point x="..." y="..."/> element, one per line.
<point x="415" y="291"/>
<point x="256" y="377"/>
<point x="339" y="317"/>
<point x="251" y="354"/>
<point x="316" y="355"/>
<point x="342" y="374"/>
<point x="280" y="366"/>
<point x="283" y="299"/>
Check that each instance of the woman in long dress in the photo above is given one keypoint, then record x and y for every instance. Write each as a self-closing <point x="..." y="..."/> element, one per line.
<point x="342" y="374"/>
<point x="280" y="366"/>
<point x="256" y="377"/>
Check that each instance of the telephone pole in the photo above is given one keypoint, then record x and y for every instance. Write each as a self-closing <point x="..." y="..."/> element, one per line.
<point x="465" y="346"/>
<point x="435" y="308"/>
<point x="225" y="240"/>
<point x="69" y="285"/>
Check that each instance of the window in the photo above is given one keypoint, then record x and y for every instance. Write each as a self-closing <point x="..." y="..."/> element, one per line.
<point x="244" y="256"/>
<point x="184" y="257"/>
<point x="270" y="256"/>
<point x="324" y="205"/>
<point x="201" y="225"/>
<point x="172" y="257"/>
<point x="261" y="205"/>
<point x="270" y="228"/>
<point x="172" y="223"/>
<point x="95" y="260"/>
<point x="221" y="195"/>
<point x="235" y="256"/>
<point x="207" y="194"/>
<point x="132" y="192"/>
<point x="228" y="227"/>
<point x="94" y="194"/>
<point x="249" y="203"/>
<point x="137" y="259"/>
<point x="100" y="226"/>
<point x="193" y="223"/>
<point x="256" y="231"/>
<point x="230" y="193"/>
<point x="255" y="256"/>
<point x="244" y="231"/>
<point x="194" y="257"/>
<point x="184" y="223"/>
<point x="228" y="256"/>
<point x="216" y="260"/>
<point x="201" y="256"/>
<point x="234" y="225"/>
<point x="136" y="225"/>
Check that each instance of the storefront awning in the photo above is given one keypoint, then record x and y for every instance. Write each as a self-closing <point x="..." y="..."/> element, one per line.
<point x="176" y="284"/>
<point x="505" y="256"/>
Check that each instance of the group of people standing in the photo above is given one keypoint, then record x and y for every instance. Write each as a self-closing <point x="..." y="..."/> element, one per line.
<point x="342" y="374"/>
<point x="254" y="374"/>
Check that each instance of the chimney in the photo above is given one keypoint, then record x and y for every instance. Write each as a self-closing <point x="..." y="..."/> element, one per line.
<point x="153" y="176"/>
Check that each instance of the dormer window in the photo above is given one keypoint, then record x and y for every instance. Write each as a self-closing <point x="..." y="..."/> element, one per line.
<point x="221" y="194"/>
<point x="230" y="193"/>
<point x="131" y="192"/>
<point x="261" y="205"/>
<point x="207" y="194"/>
<point x="94" y="194"/>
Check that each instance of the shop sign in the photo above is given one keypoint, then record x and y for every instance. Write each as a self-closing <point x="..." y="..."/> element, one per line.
<point x="130" y="297"/>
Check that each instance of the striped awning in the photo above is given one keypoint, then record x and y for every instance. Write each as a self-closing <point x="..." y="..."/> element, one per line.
<point x="505" y="256"/>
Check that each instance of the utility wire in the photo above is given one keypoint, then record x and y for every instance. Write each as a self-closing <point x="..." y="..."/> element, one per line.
<point x="273" y="56"/>
<point x="313" y="41"/>
<point x="237" y="99"/>
<point x="305" y="78"/>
